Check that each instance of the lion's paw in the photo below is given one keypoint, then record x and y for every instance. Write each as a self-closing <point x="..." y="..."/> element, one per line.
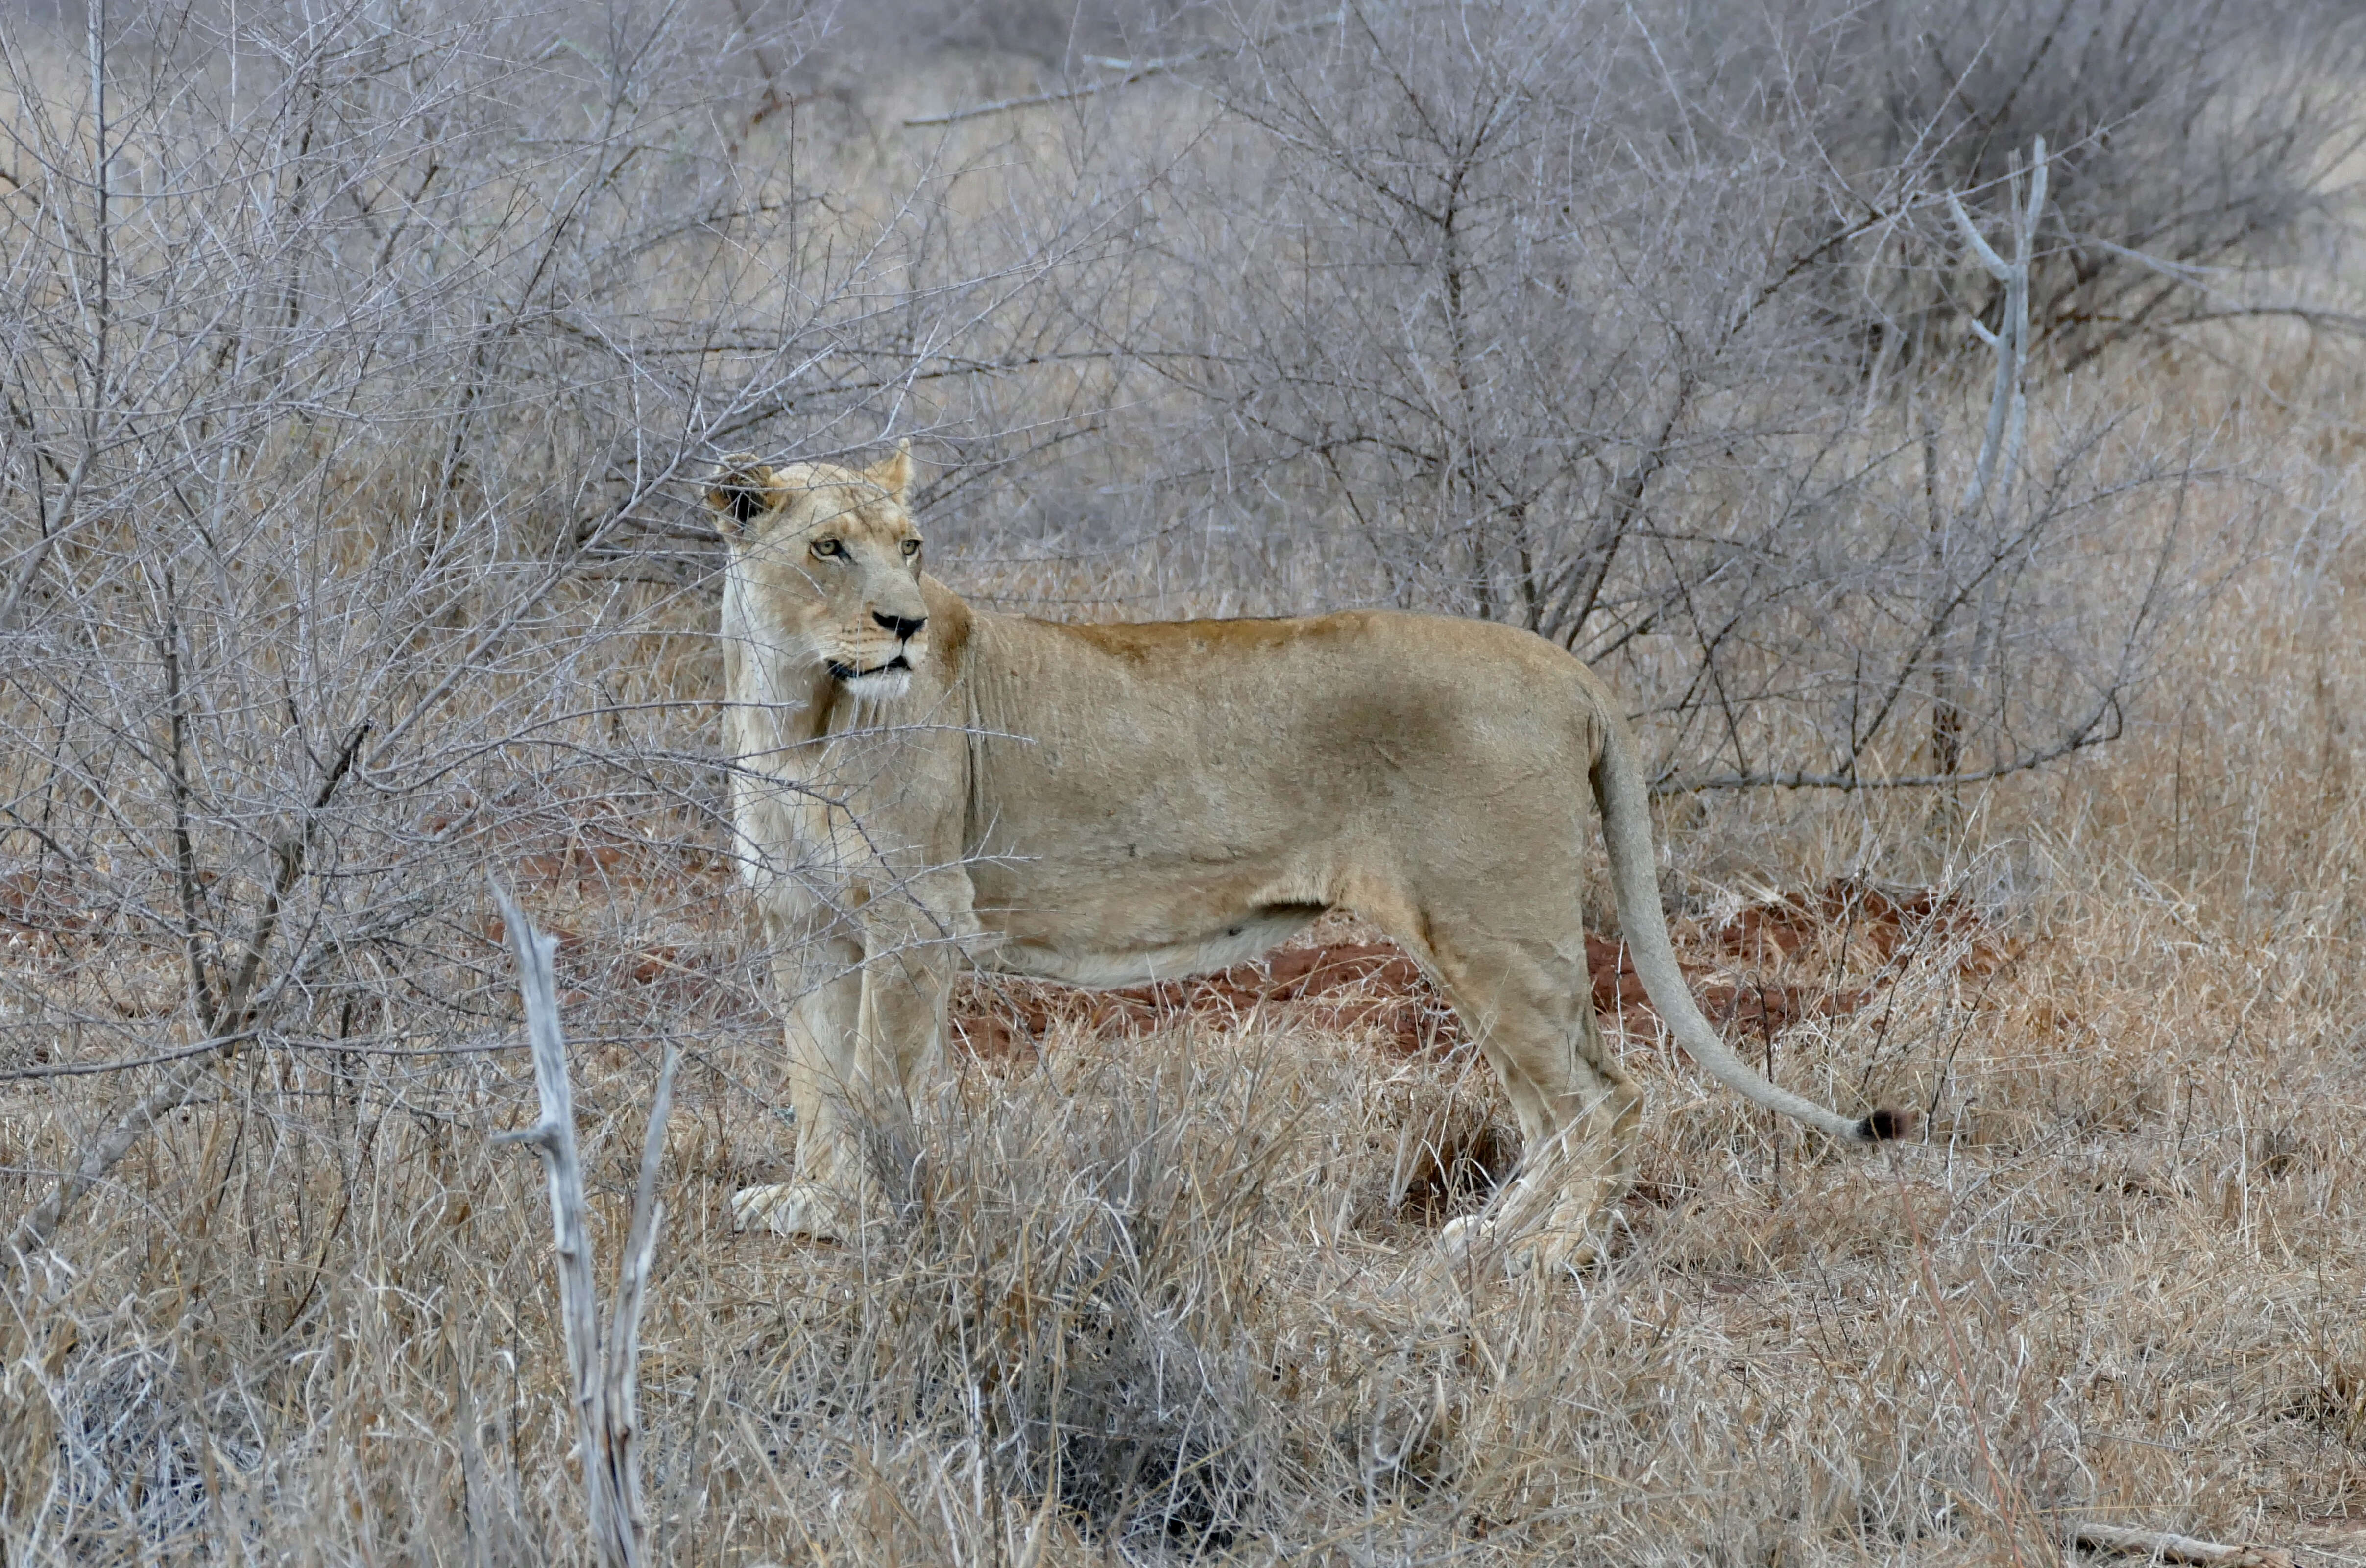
<point x="1556" y="1257"/>
<point x="799" y="1210"/>
<point x="1477" y="1241"/>
<point x="1469" y="1247"/>
<point x="1465" y="1234"/>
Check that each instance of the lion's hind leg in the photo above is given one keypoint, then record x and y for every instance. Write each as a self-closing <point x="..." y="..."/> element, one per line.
<point x="1580" y="1116"/>
<point x="1549" y="1214"/>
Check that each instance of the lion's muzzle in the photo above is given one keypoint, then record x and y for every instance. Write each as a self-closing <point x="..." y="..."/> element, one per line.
<point x="859" y="665"/>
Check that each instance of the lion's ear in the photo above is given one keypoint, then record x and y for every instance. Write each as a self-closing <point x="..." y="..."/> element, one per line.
<point x="743" y="490"/>
<point x="894" y="474"/>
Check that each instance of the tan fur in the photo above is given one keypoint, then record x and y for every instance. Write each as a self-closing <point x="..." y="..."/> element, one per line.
<point x="1107" y="805"/>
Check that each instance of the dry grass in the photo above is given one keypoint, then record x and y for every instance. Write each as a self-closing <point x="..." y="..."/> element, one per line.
<point x="2119" y="1281"/>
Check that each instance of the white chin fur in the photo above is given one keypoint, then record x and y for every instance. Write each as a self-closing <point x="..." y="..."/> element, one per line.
<point x="879" y="686"/>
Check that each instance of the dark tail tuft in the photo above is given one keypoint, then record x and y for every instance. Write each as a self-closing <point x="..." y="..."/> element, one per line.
<point x="1885" y="1125"/>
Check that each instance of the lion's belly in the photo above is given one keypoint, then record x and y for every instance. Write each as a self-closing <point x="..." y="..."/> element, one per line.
<point x="1073" y="952"/>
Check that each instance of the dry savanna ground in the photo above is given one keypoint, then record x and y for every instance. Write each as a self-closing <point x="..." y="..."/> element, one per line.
<point x="1154" y="1292"/>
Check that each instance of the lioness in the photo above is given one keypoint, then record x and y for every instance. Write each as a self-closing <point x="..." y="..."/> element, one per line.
<point x="920" y="783"/>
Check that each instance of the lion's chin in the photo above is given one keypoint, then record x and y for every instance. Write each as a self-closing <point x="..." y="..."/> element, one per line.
<point x="883" y="682"/>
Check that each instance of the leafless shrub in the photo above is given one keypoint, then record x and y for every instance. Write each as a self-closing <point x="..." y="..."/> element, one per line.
<point x="1525" y="314"/>
<point x="1065" y="38"/>
<point x="2197" y="147"/>
<point x="348" y="370"/>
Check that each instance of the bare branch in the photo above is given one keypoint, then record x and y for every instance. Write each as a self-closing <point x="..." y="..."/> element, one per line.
<point x="602" y="1371"/>
<point x="2163" y="1546"/>
<point x="1130" y="71"/>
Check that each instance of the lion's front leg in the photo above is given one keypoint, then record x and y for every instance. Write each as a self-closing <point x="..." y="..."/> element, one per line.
<point x="819" y="978"/>
<point x="906" y="995"/>
<point x="866" y="1039"/>
<point x="917" y="939"/>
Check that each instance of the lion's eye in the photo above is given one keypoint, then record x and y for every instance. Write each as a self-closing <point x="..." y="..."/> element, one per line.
<point x="911" y="548"/>
<point x="824" y="549"/>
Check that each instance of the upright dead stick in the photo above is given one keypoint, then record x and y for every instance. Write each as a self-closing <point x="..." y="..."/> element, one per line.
<point x="602" y="1375"/>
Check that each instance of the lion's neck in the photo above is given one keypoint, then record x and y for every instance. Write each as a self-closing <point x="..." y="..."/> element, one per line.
<point x="774" y="714"/>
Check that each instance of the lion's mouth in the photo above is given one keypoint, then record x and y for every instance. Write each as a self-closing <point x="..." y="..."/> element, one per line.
<point x="841" y="671"/>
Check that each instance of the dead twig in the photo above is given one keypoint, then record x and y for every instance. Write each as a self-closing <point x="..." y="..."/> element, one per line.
<point x="34" y="1230"/>
<point x="2164" y="1547"/>
<point x="1130" y="71"/>
<point x="601" y="1372"/>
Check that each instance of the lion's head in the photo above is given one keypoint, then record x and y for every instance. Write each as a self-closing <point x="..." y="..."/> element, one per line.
<point x="827" y="567"/>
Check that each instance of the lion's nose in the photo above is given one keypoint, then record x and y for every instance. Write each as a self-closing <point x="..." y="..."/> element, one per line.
<point x="905" y="628"/>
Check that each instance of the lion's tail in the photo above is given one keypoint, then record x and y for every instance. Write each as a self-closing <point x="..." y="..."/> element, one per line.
<point x="1619" y="789"/>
